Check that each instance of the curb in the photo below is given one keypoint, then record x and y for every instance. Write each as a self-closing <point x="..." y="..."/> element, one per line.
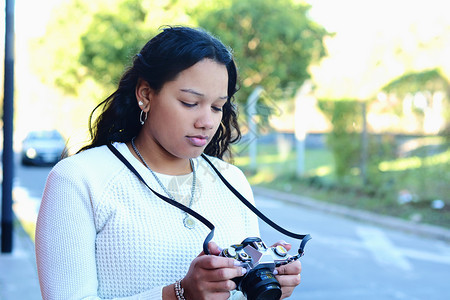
<point x="421" y="229"/>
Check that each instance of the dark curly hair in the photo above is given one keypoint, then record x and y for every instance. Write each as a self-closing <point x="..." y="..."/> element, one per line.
<point x="173" y="50"/>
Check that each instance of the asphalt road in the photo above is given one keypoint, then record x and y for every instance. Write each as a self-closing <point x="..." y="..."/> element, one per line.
<point x="349" y="259"/>
<point x="346" y="259"/>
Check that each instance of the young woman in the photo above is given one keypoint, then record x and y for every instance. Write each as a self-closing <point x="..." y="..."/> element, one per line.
<point x="102" y="234"/>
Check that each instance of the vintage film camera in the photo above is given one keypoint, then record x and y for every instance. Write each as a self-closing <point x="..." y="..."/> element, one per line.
<point x="258" y="283"/>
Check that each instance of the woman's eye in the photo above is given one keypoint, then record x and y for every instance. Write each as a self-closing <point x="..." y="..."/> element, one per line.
<point x="217" y="108"/>
<point x="188" y="104"/>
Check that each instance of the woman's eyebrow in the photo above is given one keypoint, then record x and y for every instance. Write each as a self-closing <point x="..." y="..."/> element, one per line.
<point x="191" y="91"/>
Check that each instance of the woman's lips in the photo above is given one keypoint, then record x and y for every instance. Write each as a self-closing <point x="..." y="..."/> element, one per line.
<point x="198" y="140"/>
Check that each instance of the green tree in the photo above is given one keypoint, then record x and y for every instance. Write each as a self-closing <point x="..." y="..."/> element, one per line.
<point x="110" y="40"/>
<point x="273" y="42"/>
<point x="88" y="43"/>
<point x="346" y="143"/>
<point x="345" y="138"/>
<point x="113" y="37"/>
<point x="430" y="84"/>
<point x="421" y="81"/>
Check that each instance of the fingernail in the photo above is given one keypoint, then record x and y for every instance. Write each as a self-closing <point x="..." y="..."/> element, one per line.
<point x="275" y="272"/>
<point x="244" y="270"/>
<point x="237" y="263"/>
<point x="219" y="248"/>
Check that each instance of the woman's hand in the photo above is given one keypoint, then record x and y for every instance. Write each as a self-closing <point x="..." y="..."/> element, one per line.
<point x="288" y="275"/>
<point x="209" y="276"/>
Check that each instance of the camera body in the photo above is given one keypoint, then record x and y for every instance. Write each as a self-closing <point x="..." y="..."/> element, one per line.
<point x="258" y="283"/>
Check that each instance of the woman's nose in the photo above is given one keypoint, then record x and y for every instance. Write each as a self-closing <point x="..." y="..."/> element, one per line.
<point x="205" y="120"/>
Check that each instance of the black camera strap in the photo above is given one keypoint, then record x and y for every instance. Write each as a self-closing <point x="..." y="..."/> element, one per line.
<point x="305" y="238"/>
<point x="167" y="199"/>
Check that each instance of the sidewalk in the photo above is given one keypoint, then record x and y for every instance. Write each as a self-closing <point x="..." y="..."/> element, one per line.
<point x="423" y="230"/>
<point x="18" y="276"/>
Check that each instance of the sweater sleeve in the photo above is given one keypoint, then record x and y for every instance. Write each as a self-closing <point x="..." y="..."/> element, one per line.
<point x="65" y="240"/>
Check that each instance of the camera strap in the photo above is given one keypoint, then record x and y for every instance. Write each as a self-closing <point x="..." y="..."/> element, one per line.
<point x="305" y="238"/>
<point x="167" y="199"/>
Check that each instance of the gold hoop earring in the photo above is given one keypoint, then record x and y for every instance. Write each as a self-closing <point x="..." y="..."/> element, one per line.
<point x="143" y="118"/>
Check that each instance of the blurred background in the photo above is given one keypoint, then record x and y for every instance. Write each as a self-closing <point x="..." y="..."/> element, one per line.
<point x="346" y="102"/>
<point x="350" y="98"/>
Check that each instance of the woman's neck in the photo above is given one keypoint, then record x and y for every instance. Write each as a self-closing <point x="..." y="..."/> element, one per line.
<point x="159" y="161"/>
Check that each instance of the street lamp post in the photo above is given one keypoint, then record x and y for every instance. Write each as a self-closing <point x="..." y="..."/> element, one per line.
<point x="8" y="113"/>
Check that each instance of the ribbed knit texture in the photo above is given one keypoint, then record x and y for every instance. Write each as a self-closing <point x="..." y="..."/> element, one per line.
<point x="101" y="234"/>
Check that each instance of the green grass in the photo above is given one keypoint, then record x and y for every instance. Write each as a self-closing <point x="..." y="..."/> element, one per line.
<point x="425" y="178"/>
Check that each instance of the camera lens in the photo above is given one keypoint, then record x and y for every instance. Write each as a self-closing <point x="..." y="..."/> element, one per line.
<point x="261" y="284"/>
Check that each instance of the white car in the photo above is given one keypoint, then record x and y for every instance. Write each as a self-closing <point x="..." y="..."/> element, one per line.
<point x="44" y="147"/>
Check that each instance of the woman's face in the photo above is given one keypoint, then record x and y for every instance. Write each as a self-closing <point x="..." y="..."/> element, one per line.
<point x="186" y="113"/>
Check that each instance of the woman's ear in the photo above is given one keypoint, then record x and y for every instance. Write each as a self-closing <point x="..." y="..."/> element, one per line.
<point x="143" y="94"/>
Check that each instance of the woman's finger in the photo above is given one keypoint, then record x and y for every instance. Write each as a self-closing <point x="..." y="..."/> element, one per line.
<point x="293" y="268"/>
<point x="213" y="248"/>
<point x="286" y="245"/>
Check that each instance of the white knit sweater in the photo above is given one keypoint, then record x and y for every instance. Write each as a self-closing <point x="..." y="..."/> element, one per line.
<point x="101" y="234"/>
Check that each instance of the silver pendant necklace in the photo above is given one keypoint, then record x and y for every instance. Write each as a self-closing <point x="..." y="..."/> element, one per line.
<point x="188" y="220"/>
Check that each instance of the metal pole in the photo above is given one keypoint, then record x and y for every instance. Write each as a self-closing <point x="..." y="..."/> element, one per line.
<point x="8" y="113"/>
<point x="301" y="119"/>
<point x="252" y="128"/>
<point x="365" y="144"/>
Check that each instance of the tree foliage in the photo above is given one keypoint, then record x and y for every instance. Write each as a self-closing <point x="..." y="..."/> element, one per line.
<point x="110" y="40"/>
<point x="55" y="55"/>
<point x="413" y="82"/>
<point x="428" y="82"/>
<point x="274" y="43"/>
<point x="346" y="143"/>
<point x="89" y="44"/>
<point x="345" y="138"/>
